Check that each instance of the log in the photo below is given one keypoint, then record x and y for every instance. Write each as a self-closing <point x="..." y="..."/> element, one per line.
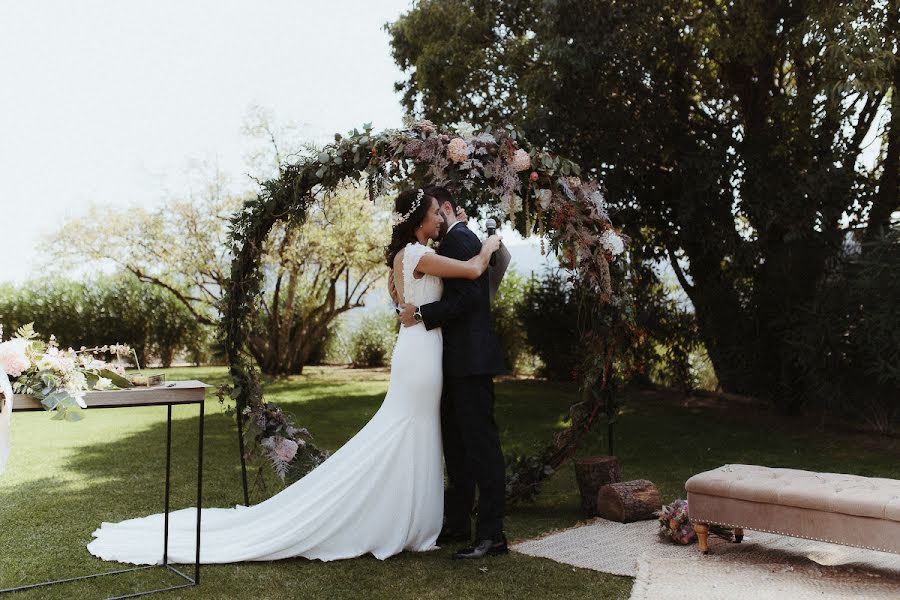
<point x="592" y="473"/>
<point x="628" y="501"/>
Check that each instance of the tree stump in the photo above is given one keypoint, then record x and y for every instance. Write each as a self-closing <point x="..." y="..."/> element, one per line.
<point x="628" y="501"/>
<point x="592" y="473"/>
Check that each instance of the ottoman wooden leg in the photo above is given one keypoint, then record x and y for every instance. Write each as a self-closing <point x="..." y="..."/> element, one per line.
<point x="702" y="530"/>
<point x="738" y="535"/>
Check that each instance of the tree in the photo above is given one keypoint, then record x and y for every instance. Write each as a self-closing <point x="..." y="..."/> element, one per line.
<point x="316" y="270"/>
<point x="728" y="136"/>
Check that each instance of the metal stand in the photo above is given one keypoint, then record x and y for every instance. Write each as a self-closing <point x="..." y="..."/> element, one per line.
<point x="191" y="581"/>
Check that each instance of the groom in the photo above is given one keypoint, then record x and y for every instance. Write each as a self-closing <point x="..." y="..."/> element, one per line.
<point x="471" y="359"/>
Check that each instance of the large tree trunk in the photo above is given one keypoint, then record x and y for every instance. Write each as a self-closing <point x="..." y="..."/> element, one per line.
<point x="888" y="199"/>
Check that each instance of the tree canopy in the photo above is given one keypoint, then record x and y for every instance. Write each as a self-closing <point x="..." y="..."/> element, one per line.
<point x="728" y="135"/>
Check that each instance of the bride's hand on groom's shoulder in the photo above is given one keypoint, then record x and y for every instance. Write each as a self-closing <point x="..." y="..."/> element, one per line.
<point x="407" y="315"/>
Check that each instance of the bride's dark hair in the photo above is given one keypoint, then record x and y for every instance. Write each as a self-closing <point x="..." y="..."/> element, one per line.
<point x="405" y="232"/>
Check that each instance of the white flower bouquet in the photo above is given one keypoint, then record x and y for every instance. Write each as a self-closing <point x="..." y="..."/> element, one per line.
<point x="58" y="378"/>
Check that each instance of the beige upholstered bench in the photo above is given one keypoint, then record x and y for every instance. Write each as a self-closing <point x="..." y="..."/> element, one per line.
<point x="830" y="507"/>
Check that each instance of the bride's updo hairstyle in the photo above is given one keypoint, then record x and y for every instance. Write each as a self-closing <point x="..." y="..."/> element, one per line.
<point x="410" y="209"/>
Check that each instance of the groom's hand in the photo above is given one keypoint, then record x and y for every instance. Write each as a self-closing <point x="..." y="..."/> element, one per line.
<point x="407" y="315"/>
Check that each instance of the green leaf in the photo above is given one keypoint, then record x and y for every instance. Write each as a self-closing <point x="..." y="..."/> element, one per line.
<point x="52" y="400"/>
<point x="324" y="157"/>
<point x="117" y="379"/>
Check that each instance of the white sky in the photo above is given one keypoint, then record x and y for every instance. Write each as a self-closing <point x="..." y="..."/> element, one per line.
<point x="109" y="101"/>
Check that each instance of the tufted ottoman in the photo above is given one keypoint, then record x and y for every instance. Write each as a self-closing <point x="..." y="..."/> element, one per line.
<point x="830" y="507"/>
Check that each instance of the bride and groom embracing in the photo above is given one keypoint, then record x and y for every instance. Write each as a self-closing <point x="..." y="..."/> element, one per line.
<point x="383" y="491"/>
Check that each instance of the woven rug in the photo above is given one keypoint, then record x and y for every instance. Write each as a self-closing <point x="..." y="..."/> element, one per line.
<point x="634" y="549"/>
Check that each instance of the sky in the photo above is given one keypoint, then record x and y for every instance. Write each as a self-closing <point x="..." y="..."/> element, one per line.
<point x="112" y="102"/>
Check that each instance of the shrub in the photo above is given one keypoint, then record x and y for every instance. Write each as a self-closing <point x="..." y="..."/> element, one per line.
<point x="108" y="309"/>
<point x="506" y="313"/>
<point x="549" y="314"/>
<point x="372" y="342"/>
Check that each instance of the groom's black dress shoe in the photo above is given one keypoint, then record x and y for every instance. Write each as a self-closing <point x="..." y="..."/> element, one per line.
<point x="449" y="536"/>
<point x="482" y="549"/>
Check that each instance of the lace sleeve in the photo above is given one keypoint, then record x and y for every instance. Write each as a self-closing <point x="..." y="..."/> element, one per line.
<point x="411" y="257"/>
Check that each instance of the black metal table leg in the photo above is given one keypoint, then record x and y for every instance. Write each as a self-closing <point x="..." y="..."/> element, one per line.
<point x="168" y="477"/>
<point x="199" y="494"/>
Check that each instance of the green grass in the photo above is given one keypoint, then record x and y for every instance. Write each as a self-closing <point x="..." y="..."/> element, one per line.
<point x="63" y="479"/>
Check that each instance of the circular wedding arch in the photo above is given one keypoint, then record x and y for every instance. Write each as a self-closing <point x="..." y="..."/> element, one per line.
<point x="491" y="169"/>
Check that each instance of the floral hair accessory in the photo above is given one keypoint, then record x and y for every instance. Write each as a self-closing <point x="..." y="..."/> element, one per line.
<point x="397" y="218"/>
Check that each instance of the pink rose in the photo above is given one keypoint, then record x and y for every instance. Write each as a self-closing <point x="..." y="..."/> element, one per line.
<point x="520" y="161"/>
<point x="13" y="358"/>
<point x="457" y="150"/>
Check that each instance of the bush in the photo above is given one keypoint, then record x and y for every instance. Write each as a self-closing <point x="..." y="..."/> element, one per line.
<point x="506" y="313"/>
<point x="372" y="342"/>
<point x="108" y="309"/>
<point x="549" y="313"/>
<point x="847" y="343"/>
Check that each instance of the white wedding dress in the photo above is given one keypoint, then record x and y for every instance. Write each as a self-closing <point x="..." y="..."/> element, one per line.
<point x="382" y="492"/>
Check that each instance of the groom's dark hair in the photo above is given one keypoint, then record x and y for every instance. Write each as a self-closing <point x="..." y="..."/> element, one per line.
<point x="442" y="194"/>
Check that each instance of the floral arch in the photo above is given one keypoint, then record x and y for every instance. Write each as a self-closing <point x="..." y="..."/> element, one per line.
<point x="492" y="169"/>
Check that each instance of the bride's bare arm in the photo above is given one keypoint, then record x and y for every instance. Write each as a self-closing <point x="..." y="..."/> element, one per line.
<point x="450" y="268"/>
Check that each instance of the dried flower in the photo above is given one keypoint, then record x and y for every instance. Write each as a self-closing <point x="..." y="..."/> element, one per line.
<point x="425" y="126"/>
<point x="611" y="242"/>
<point x="544" y="197"/>
<point x="466" y="130"/>
<point x="534" y="176"/>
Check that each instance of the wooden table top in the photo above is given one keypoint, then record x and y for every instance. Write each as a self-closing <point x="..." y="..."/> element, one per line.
<point x="173" y="392"/>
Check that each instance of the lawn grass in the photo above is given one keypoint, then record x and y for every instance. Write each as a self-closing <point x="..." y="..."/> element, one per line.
<point x="63" y="479"/>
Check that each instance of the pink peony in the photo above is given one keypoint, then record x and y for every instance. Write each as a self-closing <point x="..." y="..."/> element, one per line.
<point x="520" y="161"/>
<point x="457" y="150"/>
<point x="13" y="358"/>
<point x="286" y="449"/>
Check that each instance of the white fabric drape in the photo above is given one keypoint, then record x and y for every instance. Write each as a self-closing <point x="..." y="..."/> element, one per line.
<point x="5" y="418"/>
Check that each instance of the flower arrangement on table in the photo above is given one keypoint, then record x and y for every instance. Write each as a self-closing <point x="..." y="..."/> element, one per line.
<point x="58" y="378"/>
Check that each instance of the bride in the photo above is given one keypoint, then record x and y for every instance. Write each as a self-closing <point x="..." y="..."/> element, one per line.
<point x="382" y="492"/>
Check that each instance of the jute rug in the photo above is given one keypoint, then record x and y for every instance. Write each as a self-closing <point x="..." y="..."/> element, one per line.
<point x="763" y="566"/>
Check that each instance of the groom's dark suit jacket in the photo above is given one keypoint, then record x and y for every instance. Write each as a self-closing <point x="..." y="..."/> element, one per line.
<point x="464" y="314"/>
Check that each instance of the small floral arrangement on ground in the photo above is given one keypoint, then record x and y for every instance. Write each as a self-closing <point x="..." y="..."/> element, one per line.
<point x="280" y="441"/>
<point x="675" y="524"/>
<point x="58" y="378"/>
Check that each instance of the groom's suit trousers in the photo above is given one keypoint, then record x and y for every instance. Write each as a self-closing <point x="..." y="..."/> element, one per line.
<point x="473" y="456"/>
